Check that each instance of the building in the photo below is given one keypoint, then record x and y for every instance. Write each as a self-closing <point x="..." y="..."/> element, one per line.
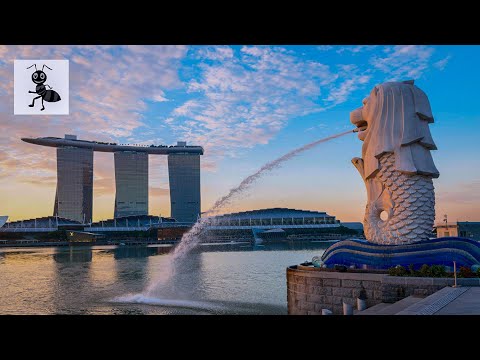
<point x="3" y="220"/>
<point x="184" y="178"/>
<point x="83" y="237"/>
<point x="41" y="224"/>
<point x="74" y="196"/>
<point x="155" y="227"/>
<point x="276" y="224"/>
<point x="447" y="230"/>
<point x="469" y="229"/>
<point x="358" y="226"/>
<point x="465" y="229"/>
<point x="129" y="223"/>
<point x="131" y="183"/>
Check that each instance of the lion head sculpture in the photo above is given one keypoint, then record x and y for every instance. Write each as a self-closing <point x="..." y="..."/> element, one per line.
<point x="396" y="116"/>
<point x="396" y="164"/>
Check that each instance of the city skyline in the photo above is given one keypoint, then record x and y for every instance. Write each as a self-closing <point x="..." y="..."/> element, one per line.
<point x="245" y="105"/>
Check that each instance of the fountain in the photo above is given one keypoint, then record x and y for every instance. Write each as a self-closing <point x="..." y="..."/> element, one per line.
<point x="397" y="169"/>
<point x="193" y="237"/>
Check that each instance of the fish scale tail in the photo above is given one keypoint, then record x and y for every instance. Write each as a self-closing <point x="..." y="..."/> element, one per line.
<point x="413" y="212"/>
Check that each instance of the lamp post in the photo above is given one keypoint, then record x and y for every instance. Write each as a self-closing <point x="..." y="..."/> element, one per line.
<point x="455" y="273"/>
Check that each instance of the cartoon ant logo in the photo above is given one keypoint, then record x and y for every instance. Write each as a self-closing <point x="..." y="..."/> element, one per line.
<point x="39" y="78"/>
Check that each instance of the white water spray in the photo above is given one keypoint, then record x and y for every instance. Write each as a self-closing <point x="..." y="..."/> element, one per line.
<point x="191" y="239"/>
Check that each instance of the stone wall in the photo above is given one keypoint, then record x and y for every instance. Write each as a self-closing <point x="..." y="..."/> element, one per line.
<point x="309" y="290"/>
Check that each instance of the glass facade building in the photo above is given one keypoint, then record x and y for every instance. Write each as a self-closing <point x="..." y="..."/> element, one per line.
<point x="74" y="195"/>
<point x="131" y="183"/>
<point x="184" y="178"/>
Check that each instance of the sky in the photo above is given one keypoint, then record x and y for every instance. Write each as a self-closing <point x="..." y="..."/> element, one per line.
<point x="246" y="105"/>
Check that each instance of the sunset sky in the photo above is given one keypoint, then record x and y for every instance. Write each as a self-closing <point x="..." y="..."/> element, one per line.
<point x="245" y="105"/>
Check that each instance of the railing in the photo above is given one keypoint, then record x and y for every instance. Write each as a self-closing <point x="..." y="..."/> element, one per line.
<point x="118" y="228"/>
<point x="26" y="229"/>
<point x="247" y="227"/>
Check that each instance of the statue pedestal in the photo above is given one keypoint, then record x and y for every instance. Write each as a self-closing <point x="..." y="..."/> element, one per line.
<point x="440" y="251"/>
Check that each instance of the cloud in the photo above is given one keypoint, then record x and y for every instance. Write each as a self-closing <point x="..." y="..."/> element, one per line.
<point x="441" y="64"/>
<point x="324" y="47"/>
<point x="247" y="100"/>
<point x="356" y="49"/>
<point x="319" y="126"/>
<point x="352" y="80"/>
<point x="41" y="181"/>
<point x="157" y="191"/>
<point x="238" y="98"/>
<point x="109" y="90"/>
<point x="217" y="53"/>
<point x="403" y="62"/>
<point x="159" y="98"/>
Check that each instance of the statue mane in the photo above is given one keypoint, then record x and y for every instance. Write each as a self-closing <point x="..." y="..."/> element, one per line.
<point x="398" y="114"/>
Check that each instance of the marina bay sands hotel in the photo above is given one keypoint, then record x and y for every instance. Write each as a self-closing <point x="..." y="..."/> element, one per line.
<point x="74" y="195"/>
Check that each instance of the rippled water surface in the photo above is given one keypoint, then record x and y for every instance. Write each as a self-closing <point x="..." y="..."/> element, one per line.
<point x="217" y="279"/>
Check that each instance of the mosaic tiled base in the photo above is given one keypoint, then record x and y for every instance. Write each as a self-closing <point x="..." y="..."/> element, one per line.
<point x="440" y="251"/>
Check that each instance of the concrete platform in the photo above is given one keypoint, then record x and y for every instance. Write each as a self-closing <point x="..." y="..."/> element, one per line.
<point x="466" y="304"/>
<point x="374" y="310"/>
<point x="310" y="289"/>
<point x="391" y="309"/>
<point x="448" y="301"/>
<point x="395" y="308"/>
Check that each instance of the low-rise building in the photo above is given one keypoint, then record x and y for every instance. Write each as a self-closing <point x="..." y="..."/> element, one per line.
<point x="447" y="230"/>
<point x="469" y="229"/>
<point x="466" y="229"/>
<point x="276" y="224"/>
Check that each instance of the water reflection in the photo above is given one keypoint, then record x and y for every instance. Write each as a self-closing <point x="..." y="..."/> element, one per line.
<point x="237" y="277"/>
<point x="134" y="272"/>
<point x="72" y="254"/>
<point x="281" y="246"/>
<point x="26" y="281"/>
<point x="123" y="252"/>
<point x="71" y="285"/>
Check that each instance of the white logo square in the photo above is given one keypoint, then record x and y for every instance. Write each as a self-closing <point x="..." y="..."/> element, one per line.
<point x="40" y="87"/>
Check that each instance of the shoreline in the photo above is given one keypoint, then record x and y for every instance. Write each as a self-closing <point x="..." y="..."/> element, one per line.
<point x="35" y="244"/>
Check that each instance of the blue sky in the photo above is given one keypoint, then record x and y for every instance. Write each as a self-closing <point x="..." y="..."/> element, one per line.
<point x="246" y="105"/>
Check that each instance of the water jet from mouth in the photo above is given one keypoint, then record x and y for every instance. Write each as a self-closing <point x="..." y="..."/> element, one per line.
<point x="192" y="238"/>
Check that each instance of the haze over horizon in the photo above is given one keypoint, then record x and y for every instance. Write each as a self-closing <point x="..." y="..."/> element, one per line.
<point x="246" y="105"/>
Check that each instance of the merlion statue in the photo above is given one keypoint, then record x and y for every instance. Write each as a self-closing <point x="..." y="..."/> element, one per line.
<point x="396" y="164"/>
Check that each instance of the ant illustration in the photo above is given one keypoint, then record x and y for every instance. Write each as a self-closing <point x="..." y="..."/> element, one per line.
<point x="39" y="78"/>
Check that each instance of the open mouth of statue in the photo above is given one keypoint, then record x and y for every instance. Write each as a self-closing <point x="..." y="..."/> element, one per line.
<point x="362" y="125"/>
